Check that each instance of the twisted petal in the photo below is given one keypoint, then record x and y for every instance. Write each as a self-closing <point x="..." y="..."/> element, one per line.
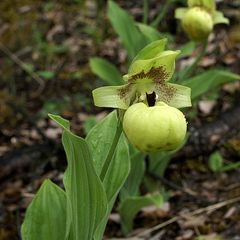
<point x="208" y="4"/>
<point x="114" y="96"/>
<point x="180" y="12"/>
<point x="219" y="18"/>
<point x="175" y="95"/>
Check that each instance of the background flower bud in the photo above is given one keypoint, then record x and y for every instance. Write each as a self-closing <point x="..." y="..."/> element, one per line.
<point x="197" y="23"/>
<point x="156" y="128"/>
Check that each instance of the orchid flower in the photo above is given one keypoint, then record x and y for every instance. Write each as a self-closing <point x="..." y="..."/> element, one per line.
<point x="199" y="18"/>
<point x="149" y="73"/>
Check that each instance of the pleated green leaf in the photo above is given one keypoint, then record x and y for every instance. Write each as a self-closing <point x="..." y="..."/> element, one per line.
<point x="158" y="162"/>
<point x="151" y="34"/>
<point x="132" y="39"/>
<point x="102" y="137"/>
<point x="86" y="198"/>
<point x="132" y="205"/>
<point x="132" y="184"/>
<point x="46" y="216"/>
<point x="209" y="80"/>
<point x="187" y="49"/>
<point x="106" y="71"/>
<point x="115" y="177"/>
<point x="117" y="171"/>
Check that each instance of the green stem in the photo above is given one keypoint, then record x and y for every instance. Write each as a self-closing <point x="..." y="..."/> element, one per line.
<point x="112" y="150"/>
<point x="230" y="167"/>
<point x="161" y="14"/>
<point x="188" y="72"/>
<point x="145" y="11"/>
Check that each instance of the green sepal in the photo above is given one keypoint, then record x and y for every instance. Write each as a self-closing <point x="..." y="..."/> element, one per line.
<point x="207" y="4"/>
<point x="164" y="62"/>
<point x="149" y="72"/>
<point x="180" y="12"/>
<point x="219" y="18"/>
<point x="152" y="50"/>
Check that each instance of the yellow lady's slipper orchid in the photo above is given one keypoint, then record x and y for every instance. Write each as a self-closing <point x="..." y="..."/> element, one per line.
<point x="149" y="72"/>
<point x="152" y="121"/>
<point x="154" y="128"/>
<point x="199" y="18"/>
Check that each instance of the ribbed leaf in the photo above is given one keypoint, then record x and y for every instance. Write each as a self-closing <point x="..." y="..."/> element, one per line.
<point x="187" y="49"/>
<point x="132" y="39"/>
<point x="132" y="184"/>
<point x="158" y="162"/>
<point x="132" y="205"/>
<point x="101" y="137"/>
<point x="106" y="71"/>
<point x="86" y="198"/>
<point x="118" y="170"/>
<point x="115" y="177"/>
<point x="46" y="216"/>
<point x="209" y="80"/>
<point x="150" y="33"/>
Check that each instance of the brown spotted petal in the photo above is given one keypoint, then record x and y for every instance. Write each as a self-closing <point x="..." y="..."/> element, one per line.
<point x="114" y="96"/>
<point x="161" y="67"/>
<point x="149" y="72"/>
<point x="174" y="95"/>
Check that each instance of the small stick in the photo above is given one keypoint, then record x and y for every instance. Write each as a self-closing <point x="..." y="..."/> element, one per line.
<point x="207" y="209"/>
<point x="21" y="64"/>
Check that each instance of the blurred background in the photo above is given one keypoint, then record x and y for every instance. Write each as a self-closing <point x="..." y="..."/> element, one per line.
<point x="45" y="47"/>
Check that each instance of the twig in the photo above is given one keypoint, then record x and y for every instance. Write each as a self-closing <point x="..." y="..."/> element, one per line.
<point x="207" y="209"/>
<point x="171" y="184"/>
<point x="21" y="64"/>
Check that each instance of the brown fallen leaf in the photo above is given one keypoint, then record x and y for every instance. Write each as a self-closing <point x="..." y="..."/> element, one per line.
<point x="191" y="221"/>
<point x="153" y="211"/>
<point x="206" y="106"/>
